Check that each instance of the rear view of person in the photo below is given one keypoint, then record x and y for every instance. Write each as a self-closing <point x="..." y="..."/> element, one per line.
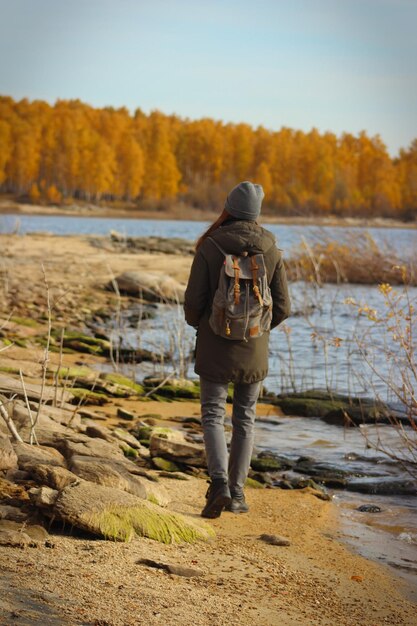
<point x="222" y="355"/>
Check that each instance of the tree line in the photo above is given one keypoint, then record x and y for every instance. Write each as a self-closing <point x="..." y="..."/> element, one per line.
<point x="70" y="150"/>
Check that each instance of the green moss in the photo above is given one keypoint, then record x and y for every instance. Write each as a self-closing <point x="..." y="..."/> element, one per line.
<point x="76" y="372"/>
<point x="22" y="343"/>
<point x="265" y="464"/>
<point x="24" y="321"/>
<point x="165" y="465"/>
<point x="253" y="484"/>
<point x="147" y="520"/>
<point x="124" y="381"/>
<point x="128" y="451"/>
<point x="8" y="369"/>
<point x="152" y="498"/>
<point x="309" y="407"/>
<point x="90" y="397"/>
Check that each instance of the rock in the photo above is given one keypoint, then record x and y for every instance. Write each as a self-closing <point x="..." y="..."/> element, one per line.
<point x="8" y="457"/>
<point x="253" y="484"/>
<point x="82" y="445"/>
<point x="37" y="533"/>
<point x="62" y="416"/>
<point x="165" y="465"/>
<point x="118" y="515"/>
<point x="174" y="475"/>
<point x="125" y="415"/>
<point x="317" y="493"/>
<point x="80" y="342"/>
<point x="108" y="473"/>
<point x="126" y="437"/>
<point x="369" y="508"/>
<point x="15" y="539"/>
<point x="17" y="476"/>
<point x="75" y="372"/>
<point x="262" y="477"/>
<point x="177" y="570"/>
<point x="13" y="386"/>
<point x="172" y="245"/>
<point x="43" y="497"/>
<point x="52" y="476"/>
<point x="99" y="431"/>
<point x="28" y="456"/>
<point x="383" y="486"/>
<point x="173" y="388"/>
<point x="172" y="445"/>
<point x="275" y="540"/>
<point x="89" y="397"/>
<point x="268" y="462"/>
<point x="12" y="513"/>
<point x="149" y="286"/>
<point x="129" y="386"/>
<point x="334" y="408"/>
<point x="33" y="534"/>
<point x="12" y="494"/>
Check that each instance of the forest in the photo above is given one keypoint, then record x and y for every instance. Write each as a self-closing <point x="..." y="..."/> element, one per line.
<point x="70" y="151"/>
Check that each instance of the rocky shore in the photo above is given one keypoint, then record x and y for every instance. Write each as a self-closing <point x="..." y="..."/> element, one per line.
<point x="102" y="478"/>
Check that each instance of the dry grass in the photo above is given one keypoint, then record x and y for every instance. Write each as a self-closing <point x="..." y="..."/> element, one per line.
<point x="359" y="259"/>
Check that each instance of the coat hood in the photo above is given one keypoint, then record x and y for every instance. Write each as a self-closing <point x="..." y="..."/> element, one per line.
<point x="239" y="236"/>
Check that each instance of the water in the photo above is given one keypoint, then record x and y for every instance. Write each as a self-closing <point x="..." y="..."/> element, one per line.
<point x="390" y="536"/>
<point x="322" y="344"/>
<point x="287" y="235"/>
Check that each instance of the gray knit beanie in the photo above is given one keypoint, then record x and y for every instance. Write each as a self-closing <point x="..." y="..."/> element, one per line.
<point x="244" y="201"/>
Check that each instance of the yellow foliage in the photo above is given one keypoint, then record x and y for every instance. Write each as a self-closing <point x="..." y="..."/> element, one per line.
<point x="85" y="152"/>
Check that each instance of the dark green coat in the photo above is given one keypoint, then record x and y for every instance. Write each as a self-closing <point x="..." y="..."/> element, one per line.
<point x="218" y="359"/>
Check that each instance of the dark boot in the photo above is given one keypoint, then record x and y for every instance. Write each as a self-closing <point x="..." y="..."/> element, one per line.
<point x="218" y="497"/>
<point x="238" y="503"/>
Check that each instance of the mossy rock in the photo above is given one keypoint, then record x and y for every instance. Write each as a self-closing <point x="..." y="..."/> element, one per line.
<point x="165" y="465"/>
<point x="88" y="397"/>
<point x="9" y="369"/>
<point x="175" y="388"/>
<point x="124" y="381"/>
<point x="266" y="464"/>
<point x="128" y="451"/>
<point x="253" y="484"/>
<point x="117" y="515"/>
<point x="192" y="420"/>
<point x="82" y="343"/>
<point x="24" y="321"/>
<point x="309" y="407"/>
<point x="76" y="372"/>
<point x="21" y="343"/>
<point x="143" y="435"/>
<point x="333" y="408"/>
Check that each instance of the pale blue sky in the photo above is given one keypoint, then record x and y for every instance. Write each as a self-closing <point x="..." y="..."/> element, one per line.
<point x="339" y="65"/>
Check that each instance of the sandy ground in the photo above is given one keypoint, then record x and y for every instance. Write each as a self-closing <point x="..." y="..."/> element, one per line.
<point x="315" y="581"/>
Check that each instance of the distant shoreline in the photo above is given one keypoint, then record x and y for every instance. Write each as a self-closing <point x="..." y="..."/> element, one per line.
<point x="181" y="214"/>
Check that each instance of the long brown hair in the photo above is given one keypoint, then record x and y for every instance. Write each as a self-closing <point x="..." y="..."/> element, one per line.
<point x="223" y="217"/>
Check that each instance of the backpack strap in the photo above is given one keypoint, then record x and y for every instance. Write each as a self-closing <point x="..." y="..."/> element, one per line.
<point x="255" y="268"/>
<point x="236" y="288"/>
<point x="217" y="246"/>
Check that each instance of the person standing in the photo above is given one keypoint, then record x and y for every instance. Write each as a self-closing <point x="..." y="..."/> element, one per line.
<point x="221" y="360"/>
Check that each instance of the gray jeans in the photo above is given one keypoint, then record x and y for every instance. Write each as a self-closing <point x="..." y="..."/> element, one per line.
<point x="213" y="399"/>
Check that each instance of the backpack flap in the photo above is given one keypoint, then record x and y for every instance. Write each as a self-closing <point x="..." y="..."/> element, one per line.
<point x="245" y="266"/>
